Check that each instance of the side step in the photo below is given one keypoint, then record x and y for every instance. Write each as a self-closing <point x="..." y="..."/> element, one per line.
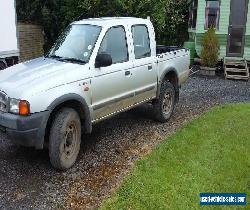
<point x="236" y="69"/>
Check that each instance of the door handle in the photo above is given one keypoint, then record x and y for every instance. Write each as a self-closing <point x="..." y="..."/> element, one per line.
<point x="150" y="68"/>
<point x="127" y="73"/>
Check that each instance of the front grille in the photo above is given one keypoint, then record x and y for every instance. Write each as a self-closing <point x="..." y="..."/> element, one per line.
<point x="3" y="102"/>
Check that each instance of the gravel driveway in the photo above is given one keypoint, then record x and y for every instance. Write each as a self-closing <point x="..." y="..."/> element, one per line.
<point x="27" y="180"/>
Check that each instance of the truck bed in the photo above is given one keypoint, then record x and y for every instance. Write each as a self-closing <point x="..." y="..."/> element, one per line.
<point x="161" y="49"/>
<point x="171" y="57"/>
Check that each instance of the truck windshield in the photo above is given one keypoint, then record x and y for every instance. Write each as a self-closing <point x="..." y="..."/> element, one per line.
<point x="76" y="43"/>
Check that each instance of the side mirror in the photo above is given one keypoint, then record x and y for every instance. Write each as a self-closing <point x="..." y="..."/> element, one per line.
<point x="103" y="60"/>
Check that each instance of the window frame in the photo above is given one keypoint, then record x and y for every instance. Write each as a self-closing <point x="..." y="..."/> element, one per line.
<point x="134" y="40"/>
<point x="217" y="27"/>
<point x="71" y="25"/>
<point x="126" y="40"/>
<point x="192" y="18"/>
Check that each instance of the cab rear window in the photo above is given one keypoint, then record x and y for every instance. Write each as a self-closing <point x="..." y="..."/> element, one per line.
<point x="141" y="41"/>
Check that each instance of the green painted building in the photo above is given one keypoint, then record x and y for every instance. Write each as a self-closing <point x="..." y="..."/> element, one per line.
<point x="231" y="18"/>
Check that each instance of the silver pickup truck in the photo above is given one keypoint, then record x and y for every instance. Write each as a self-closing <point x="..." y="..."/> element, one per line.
<point x="96" y="69"/>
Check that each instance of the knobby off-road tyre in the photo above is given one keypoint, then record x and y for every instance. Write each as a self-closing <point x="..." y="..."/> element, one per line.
<point x="164" y="106"/>
<point x="65" y="139"/>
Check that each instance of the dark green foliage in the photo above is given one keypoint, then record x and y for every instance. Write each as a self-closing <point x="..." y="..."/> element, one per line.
<point x="210" y="49"/>
<point x="47" y="13"/>
<point x="169" y="16"/>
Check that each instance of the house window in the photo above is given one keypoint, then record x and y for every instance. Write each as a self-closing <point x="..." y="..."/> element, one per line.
<point x="212" y="14"/>
<point x="193" y="13"/>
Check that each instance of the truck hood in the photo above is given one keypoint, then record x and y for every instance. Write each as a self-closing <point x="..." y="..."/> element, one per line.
<point x="37" y="75"/>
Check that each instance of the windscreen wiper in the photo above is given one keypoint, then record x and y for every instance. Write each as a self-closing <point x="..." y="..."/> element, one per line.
<point x="53" y="56"/>
<point x="73" y="60"/>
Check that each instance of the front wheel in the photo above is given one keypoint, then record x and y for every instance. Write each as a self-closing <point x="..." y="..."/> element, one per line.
<point x="65" y="139"/>
<point x="165" y="105"/>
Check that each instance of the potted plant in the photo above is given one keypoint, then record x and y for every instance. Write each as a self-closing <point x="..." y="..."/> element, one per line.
<point x="209" y="53"/>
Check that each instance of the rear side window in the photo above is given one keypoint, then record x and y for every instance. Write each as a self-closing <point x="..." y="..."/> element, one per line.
<point x="114" y="43"/>
<point x="141" y="41"/>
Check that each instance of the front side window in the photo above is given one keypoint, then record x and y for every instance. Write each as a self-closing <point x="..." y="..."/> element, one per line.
<point x="141" y="41"/>
<point x="114" y="43"/>
<point x="212" y="14"/>
<point x="76" y="42"/>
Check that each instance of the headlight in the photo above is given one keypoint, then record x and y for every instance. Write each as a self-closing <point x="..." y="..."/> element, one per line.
<point x="14" y="106"/>
<point x="20" y="107"/>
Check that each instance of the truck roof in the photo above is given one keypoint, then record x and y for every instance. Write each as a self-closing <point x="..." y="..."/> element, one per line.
<point x="110" y="21"/>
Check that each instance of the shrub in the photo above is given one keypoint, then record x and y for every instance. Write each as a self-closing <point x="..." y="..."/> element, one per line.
<point x="210" y="49"/>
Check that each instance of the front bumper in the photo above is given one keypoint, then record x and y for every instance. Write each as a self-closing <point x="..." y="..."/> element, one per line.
<point x="25" y="130"/>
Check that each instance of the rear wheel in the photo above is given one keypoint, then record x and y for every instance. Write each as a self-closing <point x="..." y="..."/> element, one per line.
<point x="165" y="105"/>
<point x="65" y="139"/>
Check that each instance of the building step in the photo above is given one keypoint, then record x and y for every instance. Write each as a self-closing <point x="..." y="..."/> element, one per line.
<point x="237" y="77"/>
<point x="236" y="70"/>
<point x="235" y="64"/>
<point x="234" y="58"/>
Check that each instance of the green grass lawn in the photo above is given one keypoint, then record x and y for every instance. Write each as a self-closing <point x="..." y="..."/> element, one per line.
<point x="210" y="154"/>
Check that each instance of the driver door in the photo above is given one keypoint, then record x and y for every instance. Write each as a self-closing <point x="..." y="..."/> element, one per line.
<point x="111" y="91"/>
